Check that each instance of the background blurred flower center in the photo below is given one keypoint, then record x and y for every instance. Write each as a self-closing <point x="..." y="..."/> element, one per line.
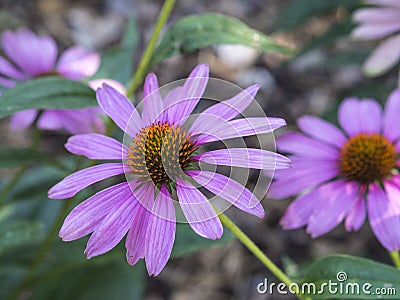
<point x="367" y="157"/>
<point x="160" y="151"/>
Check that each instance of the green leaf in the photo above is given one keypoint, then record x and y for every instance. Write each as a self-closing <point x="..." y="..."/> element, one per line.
<point x="17" y="233"/>
<point x="197" y="31"/>
<point x="13" y="157"/>
<point x="46" y="92"/>
<point x="111" y="280"/>
<point x="297" y="12"/>
<point x="187" y="241"/>
<point x="353" y="277"/>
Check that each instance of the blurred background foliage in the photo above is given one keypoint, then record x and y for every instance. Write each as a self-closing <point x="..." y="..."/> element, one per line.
<point x="324" y="68"/>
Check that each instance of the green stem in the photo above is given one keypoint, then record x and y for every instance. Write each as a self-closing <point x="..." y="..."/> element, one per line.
<point x="144" y="62"/>
<point x="17" y="176"/>
<point x="256" y="251"/>
<point x="395" y="258"/>
<point x="42" y="251"/>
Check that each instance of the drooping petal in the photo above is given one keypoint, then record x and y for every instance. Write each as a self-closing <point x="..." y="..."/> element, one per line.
<point x="224" y="110"/>
<point x="7" y="69"/>
<point x="189" y="95"/>
<point x="76" y="63"/>
<point x="112" y="228"/>
<point x="245" y="158"/>
<point x="119" y="109"/>
<point x="384" y="217"/>
<point x="31" y="53"/>
<point x="302" y="145"/>
<point x="23" y="119"/>
<point x="50" y="120"/>
<point x="72" y="184"/>
<point x="356" y="217"/>
<point x="135" y="241"/>
<point x="336" y="200"/>
<point x="300" y="210"/>
<point x="96" y="146"/>
<point x="85" y="217"/>
<point x="322" y="130"/>
<point x="384" y="57"/>
<point x="160" y="233"/>
<point x="360" y="116"/>
<point x="239" y="128"/>
<point x="391" y="119"/>
<point x="198" y="211"/>
<point x="230" y="190"/>
<point x="152" y="101"/>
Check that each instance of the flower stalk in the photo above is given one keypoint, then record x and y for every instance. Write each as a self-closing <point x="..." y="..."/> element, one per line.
<point x="144" y="62"/>
<point x="395" y="258"/>
<point x="256" y="251"/>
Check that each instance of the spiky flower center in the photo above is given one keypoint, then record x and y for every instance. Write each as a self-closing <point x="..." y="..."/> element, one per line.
<point x="160" y="152"/>
<point x="367" y="158"/>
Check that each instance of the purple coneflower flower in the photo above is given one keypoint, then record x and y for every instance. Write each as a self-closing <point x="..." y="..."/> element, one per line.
<point x="33" y="56"/>
<point x="344" y="175"/>
<point x="381" y="21"/>
<point x="161" y="157"/>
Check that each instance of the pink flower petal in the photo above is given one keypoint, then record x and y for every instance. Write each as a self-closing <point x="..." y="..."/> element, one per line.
<point x="96" y="146"/>
<point x="152" y="101"/>
<point x="72" y="184"/>
<point x="302" y="145"/>
<point x="384" y="57"/>
<point x="189" y="95"/>
<point x="238" y="128"/>
<point x="305" y="173"/>
<point x="356" y="217"/>
<point x="300" y="210"/>
<point x="76" y="63"/>
<point x="50" y="120"/>
<point x="160" y="233"/>
<point x="322" y="130"/>
<point x="198" y="211"/>
<point x="391" y="128"/>
<point x="31" y="53"/>
<point x="383" y="213"/>
<point x="245" y="158"/>
<point x="85" y="217"/>
<point x="230" y="190"/>
<point x="225" y="110"/>
<point x="368" y="31"/>
<point x="79" y="121"/>
<point x="135" y="241"/>
<point x="113" y="227"/>
<point x="119" y="109"/>
<point x="360" y="116"/>
<point x="335" y="202"/>
<point x="98" y="83"/>
<point x="23" y="119"/>
<point x="7" y="69"/>
<point x="376" y="15"/>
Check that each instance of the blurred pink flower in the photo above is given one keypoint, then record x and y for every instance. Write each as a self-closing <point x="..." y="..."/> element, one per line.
<point x="381" y="21"/>
<point x="31" y="56"/>
<point x="342" y="175"/>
